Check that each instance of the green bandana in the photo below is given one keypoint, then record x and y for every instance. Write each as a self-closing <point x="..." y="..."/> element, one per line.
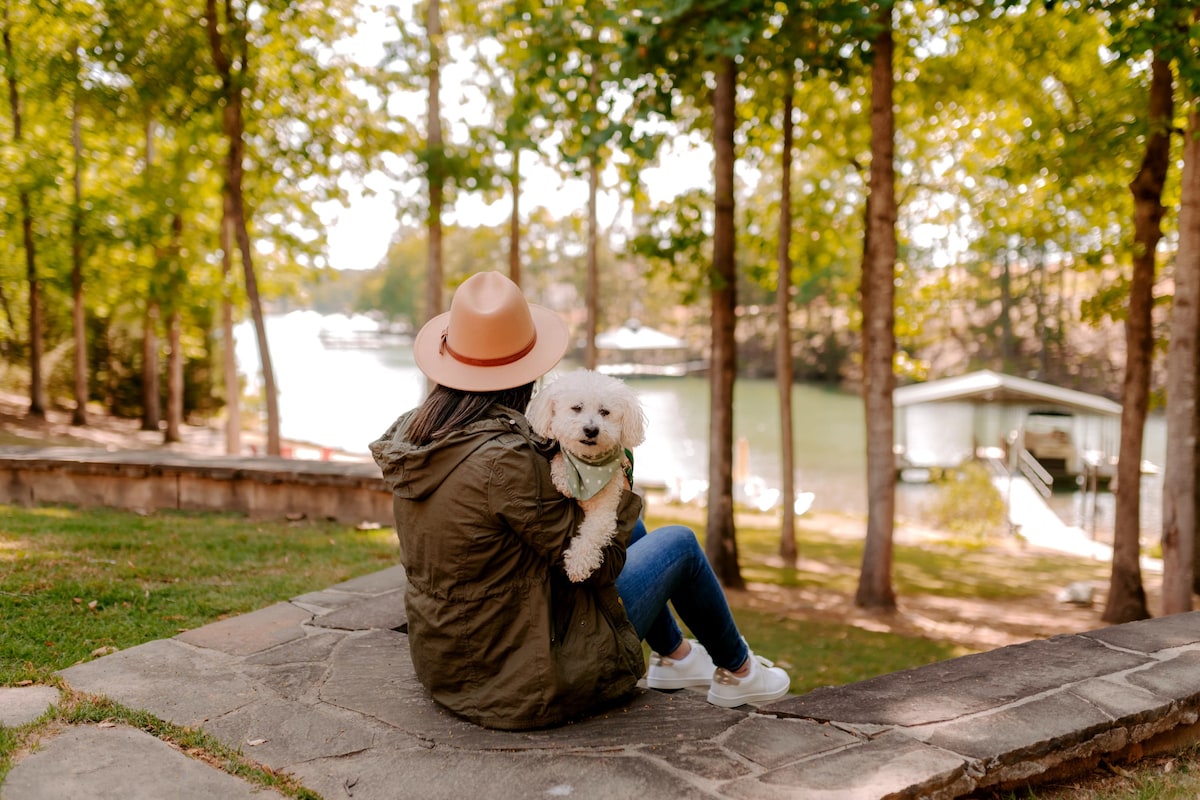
<point x="586" y="477"/>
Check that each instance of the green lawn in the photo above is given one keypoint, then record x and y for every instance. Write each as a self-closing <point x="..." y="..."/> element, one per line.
<point x="74" y="583"/>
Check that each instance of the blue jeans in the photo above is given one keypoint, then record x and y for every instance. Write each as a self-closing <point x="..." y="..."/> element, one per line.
<point x="669" y="565"/>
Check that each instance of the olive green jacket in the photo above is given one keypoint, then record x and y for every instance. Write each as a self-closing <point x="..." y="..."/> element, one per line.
<point x="497" y="632"/>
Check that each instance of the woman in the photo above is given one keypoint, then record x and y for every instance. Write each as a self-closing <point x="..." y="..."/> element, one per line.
<point x="497" y="632"/>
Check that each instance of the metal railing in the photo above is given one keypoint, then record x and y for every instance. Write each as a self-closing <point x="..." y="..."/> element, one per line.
<point x="1034" y="472"/>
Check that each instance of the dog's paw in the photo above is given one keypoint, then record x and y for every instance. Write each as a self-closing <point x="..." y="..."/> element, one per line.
<point x="579" y="562"/>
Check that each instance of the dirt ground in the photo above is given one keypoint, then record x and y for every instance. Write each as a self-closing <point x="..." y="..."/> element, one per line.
<point x="972" y="623"/>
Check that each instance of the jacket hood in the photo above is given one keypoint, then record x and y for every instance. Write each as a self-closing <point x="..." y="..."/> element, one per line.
<point x="415" y="471"/>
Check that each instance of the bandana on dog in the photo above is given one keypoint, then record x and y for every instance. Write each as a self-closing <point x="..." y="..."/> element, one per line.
<point x="586" y="477"/>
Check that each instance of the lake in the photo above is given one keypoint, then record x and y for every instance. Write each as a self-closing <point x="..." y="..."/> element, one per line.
<point x="344" y="398"/>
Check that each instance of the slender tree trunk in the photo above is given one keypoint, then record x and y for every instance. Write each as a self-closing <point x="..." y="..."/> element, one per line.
<point x="514" y="224"/>
<point x="174" y="377"/>
<point x="151" y="414"/>
<point x="173" y="433"/>
<point x="437" y="173"/>
<point x="878" y="308"/>
<point x="233" y="125"/>
<point x="78" y="320"/>
<point x="783" y="370"/>
<point x="593" y="272"/>
<point x="37" y="392"/>
<point x="151" y="410"/>
<point x="1179" y="475"/>
<point x="721" y="540"/>
<point x="233" y="387"/>
<point x="1126" y="596"/>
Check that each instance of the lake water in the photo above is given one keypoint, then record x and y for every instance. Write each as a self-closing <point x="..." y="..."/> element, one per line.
<point x="345" y="398"/>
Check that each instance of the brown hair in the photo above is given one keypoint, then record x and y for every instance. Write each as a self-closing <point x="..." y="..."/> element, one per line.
<point x="446" y="410"/>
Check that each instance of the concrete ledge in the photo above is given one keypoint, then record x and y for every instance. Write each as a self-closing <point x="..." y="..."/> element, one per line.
<point x="150" y="480"/>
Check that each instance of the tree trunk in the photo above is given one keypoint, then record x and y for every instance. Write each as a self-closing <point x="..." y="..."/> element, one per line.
<point x="78" y="320"/>
<point x="437" y="173"/>
<point x="1126" y="596"/>
<point x="878" y="310"/>
<point x="1179" y="475"/>
<point x="37" y="393"/>
<point x="593" y="272"/>
<point x="174" y="378"/>
<point x="233" y="125"/>
<point x="721" y="541"/>
<point x="151" y="416"/>
<point x="233" y="387"/>
<point x="514" y="224"/>
<point x="783" y="370"/>
<point x="172" y="433"/>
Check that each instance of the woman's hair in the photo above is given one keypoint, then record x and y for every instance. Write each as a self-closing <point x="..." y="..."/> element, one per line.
<point x="446" y="410"/>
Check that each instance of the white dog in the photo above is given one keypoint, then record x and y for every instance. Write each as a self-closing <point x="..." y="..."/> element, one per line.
<point x="596" y="419"/>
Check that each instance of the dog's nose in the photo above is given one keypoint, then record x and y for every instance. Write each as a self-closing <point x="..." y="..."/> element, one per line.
<point x="591" y="431"/>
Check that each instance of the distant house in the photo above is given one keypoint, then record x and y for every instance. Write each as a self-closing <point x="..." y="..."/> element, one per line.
<point x="634" y="350"/>
<point x="941" y="424"/>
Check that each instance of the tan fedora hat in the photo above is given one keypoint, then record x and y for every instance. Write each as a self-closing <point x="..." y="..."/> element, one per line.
<point x="490" y="339"/>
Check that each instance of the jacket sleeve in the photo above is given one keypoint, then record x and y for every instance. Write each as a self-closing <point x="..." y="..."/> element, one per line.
<point x="628" y="511"/>
<point x="522" y="495"/>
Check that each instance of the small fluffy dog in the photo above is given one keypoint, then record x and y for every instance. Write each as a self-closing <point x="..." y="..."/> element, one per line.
<point x="595" y="418"/>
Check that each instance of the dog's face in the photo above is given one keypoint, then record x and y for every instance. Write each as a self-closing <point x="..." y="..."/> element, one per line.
<point x="588" y="413"/>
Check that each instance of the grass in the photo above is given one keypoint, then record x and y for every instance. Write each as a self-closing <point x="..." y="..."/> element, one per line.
<point x="74" y="584"/>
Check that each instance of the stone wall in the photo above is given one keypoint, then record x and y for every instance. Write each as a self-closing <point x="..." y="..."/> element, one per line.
<point x="153" y="480"/>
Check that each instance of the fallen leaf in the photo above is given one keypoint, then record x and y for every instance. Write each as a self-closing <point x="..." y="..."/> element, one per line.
<point x="256" y="742"/>
<point x="77" y="600"/>
<point x="106" y="724"/>
<point x="103" y="651"/>
<point x="24" y="683"/>
<point x="92" y="605"/>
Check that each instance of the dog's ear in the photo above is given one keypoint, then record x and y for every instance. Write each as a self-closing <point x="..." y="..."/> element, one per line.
<point x="633" y="419"/>
<point x="541" y="410"/>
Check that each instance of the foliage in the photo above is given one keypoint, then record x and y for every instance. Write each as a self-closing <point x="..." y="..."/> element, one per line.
<point x="969" y="504"/>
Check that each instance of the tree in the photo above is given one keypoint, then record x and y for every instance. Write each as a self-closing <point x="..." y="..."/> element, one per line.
<point x="37" y="389"/>
<point x="878" y="308"/>
<point x="229" y="43"/>
<point x="1126" y="597"/>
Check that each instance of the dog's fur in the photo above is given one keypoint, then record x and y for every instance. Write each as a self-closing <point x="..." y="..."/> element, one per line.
<point x="589" y="414"/>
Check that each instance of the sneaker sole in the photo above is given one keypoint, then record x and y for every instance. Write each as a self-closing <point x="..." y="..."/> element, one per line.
<point x="679" y="683"/>
<point x="746" y="700"/>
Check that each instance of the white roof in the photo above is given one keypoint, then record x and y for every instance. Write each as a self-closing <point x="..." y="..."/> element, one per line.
<point x="993" y="387"/>
<point x="635" y="336"/>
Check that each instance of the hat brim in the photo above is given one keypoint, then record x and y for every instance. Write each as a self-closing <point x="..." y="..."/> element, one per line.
<point x="443" y="369"/>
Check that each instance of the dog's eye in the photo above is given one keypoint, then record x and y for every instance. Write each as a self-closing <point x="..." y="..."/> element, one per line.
<point x="604" y="412"/>
<point x="577" y="407"/>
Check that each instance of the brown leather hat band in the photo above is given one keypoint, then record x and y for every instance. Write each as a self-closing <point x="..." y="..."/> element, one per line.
<point x="486" y="362"/>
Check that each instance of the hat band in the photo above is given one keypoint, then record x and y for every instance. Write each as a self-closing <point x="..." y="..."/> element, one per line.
<point x="486" y="362"/>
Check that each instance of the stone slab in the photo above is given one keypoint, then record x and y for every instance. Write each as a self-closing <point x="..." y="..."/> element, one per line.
<point x="172" y="680"/>
<point x="89" y="761"/>
<point x="1152" y="635"/>
<point x="385" y="580"/>
<point x="967" y="685"/>
<point x="372" y="673"/>
<point x="20" y="705"/>
<point x="1023" y="731"/>
<point x="251" y="633"/>
<point x="1177" y="678"/>
<point x="385" y="612"/>
<point x="444" y="774"/>
<point x="891" y="766"/>
<point x="771" y="742"/>
<point x="279" y="732"/>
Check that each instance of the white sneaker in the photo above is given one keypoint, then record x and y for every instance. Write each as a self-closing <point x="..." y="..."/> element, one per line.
<point x="764" y="683"/>
<point x="694" y="669"/>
